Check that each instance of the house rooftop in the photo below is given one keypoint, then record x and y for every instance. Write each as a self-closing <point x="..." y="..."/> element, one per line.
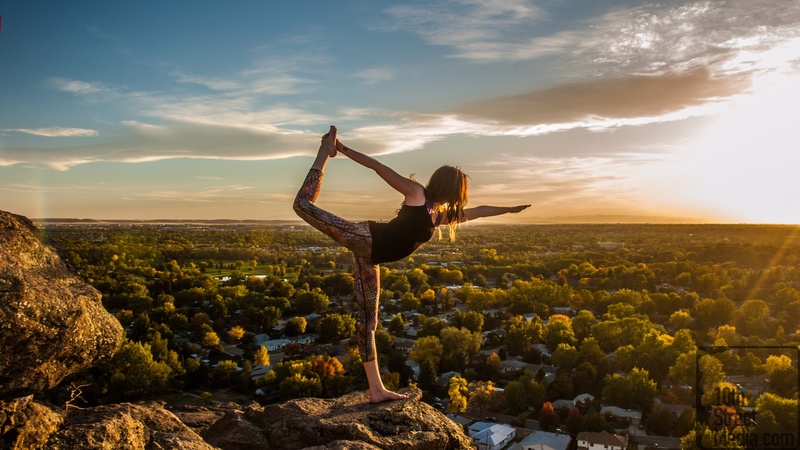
<point x="544" y="440"/>
<point x="603" y="438"/>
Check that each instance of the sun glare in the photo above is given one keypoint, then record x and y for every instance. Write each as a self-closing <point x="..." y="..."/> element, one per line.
<point x="745" y="164"/>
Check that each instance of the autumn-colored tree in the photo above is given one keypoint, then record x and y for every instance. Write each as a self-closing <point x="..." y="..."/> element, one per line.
<point x="548" y="419"/>
<point x="483" y="395"/>
<point x="457" y="392"/>
<point x="236" y="333"/>
<point x="210" y="339"/>
<point x="261" y="356"/>
<point x="573" y="420"/>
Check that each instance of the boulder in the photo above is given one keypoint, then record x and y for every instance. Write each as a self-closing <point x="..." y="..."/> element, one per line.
<point x="51" y="323"/>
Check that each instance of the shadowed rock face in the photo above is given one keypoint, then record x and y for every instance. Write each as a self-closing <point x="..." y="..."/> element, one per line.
<point x="51" y="323"/>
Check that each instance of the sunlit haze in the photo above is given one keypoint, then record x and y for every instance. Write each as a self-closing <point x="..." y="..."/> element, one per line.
<point x="676" y="111"/>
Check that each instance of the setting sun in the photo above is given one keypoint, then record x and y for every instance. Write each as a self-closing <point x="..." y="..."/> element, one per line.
<point x="745" y="163"/>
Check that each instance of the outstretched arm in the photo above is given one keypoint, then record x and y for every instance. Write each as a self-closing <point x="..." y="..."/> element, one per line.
<point x="413" y="192"/>
<point x="488" y="211"/>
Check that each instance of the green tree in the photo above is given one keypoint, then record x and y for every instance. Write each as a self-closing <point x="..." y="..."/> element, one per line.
<point x="307" y="302"/>
<point x="517" y="340"/>
<point x="659" y="421"/>
<point x="591" y="352"/>
<point x="408" y="302"/>
<point x="299" y="385"/>
<point x="430" y="326"/>
<point x="494" y="365"/>
<point x="296" y="326"/>
<point x="684" y="423"/>
<point x="681" y="319"/>
<point x="559" y="331"/>
<point x="636" y="390"/>
<point x="524" y="393"/>
<point x="784" y="410"/>
<point x="427" y="375"/>
<point x="427" y="349"/>
<point x="473" y="321"/>
<point x="335" y="327"/>
<point x="582" y="324"/>
<point x="224" y="373"/>
<point x="134" y="373"/>
<point x="565" y="357"/>
<point x="459" y="347"/>
<point x="397" y="325"/>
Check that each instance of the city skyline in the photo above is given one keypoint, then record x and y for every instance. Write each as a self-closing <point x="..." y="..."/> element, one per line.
<point x="678" y="111"/>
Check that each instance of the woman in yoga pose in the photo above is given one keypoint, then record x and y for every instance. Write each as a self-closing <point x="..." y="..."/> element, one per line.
<point x="424" y="208"/>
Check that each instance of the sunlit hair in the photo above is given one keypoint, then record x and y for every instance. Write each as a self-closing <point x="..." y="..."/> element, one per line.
<point x="448" y="186"/>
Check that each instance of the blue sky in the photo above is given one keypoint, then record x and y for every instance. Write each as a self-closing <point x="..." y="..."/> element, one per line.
<point x="679" y="110"/>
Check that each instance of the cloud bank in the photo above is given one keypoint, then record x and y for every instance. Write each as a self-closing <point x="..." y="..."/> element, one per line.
<point x="629" y="67"/>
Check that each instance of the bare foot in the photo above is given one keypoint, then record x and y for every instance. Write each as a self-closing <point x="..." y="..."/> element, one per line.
<point x="329" y="141"/>
<point x="385" y="396"/>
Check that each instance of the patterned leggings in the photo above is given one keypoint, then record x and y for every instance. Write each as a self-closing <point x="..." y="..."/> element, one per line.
<point x="356" y="237"/>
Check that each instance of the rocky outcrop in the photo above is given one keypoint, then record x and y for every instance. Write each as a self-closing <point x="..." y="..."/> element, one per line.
<point x="348" y="422"/>
<point x="124" y="426"/>
<point x="25" y="424"/>
<point x="51" y="323"/>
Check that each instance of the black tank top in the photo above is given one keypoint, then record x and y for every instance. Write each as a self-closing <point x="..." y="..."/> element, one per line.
<point x="401" y="236"/>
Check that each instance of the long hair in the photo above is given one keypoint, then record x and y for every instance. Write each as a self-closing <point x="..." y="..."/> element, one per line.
<point x="448" y="187"/>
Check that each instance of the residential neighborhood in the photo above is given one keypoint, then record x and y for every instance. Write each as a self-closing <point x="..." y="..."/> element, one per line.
<point x="527" y="334"/>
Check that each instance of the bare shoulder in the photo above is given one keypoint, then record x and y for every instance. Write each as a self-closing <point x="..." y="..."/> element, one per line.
<point x="415" y="196"/>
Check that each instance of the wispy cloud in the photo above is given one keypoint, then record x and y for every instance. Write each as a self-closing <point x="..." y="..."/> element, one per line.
<point x="56" y="131"/>
<point x="472" y="28"/>
<point x="681" y="36"/>
<point x="140" y="142"/>
<point x="374" y="75"/>
<point x="676" y="35"/>
<point x="81" y="87"/>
